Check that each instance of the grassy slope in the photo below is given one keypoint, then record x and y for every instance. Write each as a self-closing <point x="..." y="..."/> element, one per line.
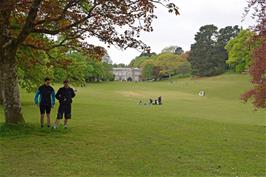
<point x="111" y="135"/>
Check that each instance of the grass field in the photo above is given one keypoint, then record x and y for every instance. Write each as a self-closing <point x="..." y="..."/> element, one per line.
<point x="111" y="135"/>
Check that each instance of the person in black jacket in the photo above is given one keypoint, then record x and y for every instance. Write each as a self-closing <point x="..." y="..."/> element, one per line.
<point x="64" y="95"/>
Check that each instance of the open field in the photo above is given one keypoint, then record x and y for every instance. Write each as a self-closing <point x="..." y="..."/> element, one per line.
<point x="111" y="135"/>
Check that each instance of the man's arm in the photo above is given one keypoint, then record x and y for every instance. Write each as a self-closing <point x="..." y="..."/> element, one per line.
<point x="36" y="98"/>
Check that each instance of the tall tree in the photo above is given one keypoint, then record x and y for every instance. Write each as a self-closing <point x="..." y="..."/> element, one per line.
<point x="239" y="51"/>
<point x="208" y="55"/>
<point x="202" y="59"/>
<point x="1" y="96"/>
<point x="73" y="21"/>
<point x="224" y="36"/>
<point x="258" y="66"/>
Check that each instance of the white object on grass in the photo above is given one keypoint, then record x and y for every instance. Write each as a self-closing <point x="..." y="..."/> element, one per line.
<point x="202" y="93"/>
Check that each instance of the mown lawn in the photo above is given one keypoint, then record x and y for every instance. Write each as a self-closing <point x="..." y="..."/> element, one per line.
<point x="111" y="135"/>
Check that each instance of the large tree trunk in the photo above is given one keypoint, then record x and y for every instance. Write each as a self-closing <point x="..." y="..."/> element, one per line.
<point x="9" y="90"/>
<point x="11" y="97"/>
<point x="1" y="98"/>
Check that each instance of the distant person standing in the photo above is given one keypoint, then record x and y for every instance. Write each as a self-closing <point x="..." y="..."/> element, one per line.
<point x="64" y="95"/>
<point x="45" y="99"/>
<point x="160" y="100"/>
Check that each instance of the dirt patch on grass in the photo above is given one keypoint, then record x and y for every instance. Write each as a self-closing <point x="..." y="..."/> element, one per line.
<point x="130" y="94"/>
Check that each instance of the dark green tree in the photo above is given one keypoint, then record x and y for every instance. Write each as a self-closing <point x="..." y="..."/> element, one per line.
<point x="208" y="56"/>
<point x="201" y="57"/>
<point x="224" y="36"/>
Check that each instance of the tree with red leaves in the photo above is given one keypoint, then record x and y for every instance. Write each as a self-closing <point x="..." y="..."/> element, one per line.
<point x="258" y="67"/>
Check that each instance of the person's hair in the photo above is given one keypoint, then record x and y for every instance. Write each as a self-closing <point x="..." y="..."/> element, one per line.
<point x="47" y="79"/>
<point x="66" y="81"/>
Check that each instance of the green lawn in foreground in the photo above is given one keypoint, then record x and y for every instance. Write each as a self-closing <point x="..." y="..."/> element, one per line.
<point x="111" y="135"/>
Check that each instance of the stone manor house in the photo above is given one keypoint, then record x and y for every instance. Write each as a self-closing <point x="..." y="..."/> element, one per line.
<point x="127" y="74"/>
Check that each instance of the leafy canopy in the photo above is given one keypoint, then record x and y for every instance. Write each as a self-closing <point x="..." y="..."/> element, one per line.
<point x="239" y="51"/>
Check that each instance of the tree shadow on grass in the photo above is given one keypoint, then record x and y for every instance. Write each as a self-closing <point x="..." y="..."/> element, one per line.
<point x="27" y="129"/>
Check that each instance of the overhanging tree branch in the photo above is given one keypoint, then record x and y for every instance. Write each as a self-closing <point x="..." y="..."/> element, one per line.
<point x="29" y="24"/>
<point x="63" y="29"/>
<point x="71" y="3"/>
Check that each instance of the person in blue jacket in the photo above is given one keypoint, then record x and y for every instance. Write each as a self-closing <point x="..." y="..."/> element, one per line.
<point x="45" y="99"/>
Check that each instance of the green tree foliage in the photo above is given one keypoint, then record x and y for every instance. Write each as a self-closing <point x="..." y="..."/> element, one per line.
<point x="59" y="65"/>
<point x="31" y="70"/>
<point x="99" y="71"/>
<point x="168" y="63"/>
<point x="208" y="56"/>
<point x="163" y="65"/>
<point x="139" y="61"/>
<point x="70" y="66"/>
<point x="147" y="71"/>
<point x="85" y="68"/>
<point x="184" y="69"/>
<point x="239" y="51"/>
<point x="120" y="65"/>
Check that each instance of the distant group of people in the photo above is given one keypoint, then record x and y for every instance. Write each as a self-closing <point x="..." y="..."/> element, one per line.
<point x="45" y="99"/>
<point x="157" y="101"/>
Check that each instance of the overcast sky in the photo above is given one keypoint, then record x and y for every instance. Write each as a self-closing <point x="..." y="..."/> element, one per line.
<point x="180" y="30"/>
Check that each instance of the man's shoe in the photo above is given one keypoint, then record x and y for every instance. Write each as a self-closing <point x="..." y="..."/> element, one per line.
<point x="48" y="126"/>
<point x="42" y="126"/>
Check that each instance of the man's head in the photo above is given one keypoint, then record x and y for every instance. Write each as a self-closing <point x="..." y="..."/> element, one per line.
<point x="47" y="81"/>
<point x="66" y="82"/>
